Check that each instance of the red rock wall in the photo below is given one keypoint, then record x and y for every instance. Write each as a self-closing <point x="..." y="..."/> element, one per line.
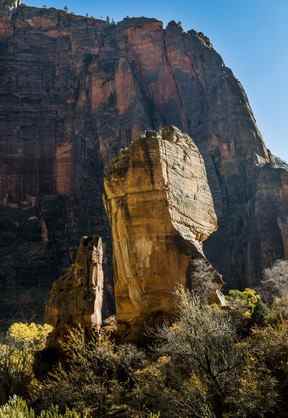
<point x="75" y="90"/>
<point x="64" y="168"/>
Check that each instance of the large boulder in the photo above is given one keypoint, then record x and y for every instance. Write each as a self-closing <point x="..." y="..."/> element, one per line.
<point x="161" y="210"/>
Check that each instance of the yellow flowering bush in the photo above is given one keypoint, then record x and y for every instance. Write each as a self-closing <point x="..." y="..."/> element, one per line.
<point x="245" y="301"/>
<point x="30" y="333"/>
<point x="17" y="353"/>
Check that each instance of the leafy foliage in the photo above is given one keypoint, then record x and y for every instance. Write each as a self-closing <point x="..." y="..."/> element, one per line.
<point x="99" y="377"/>
<point x="35" y="334"/>
<point x="15" y="370"/>
<point x="17" y="357"/>
<point x="18" y="408"/>
<point x="203" y="340"/>
<point x="245" y="301"/>
<point x="203" y="365"/>
<point x="278" y="312"/>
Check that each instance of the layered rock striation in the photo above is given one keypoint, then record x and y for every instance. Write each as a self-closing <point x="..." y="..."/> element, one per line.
<point x="74" y="91"/>
<point x="161" y="210"/>
<point x="76" y="298"/>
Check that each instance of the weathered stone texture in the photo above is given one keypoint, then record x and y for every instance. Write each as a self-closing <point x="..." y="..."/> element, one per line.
<point x="161" y="210"/>
<point x="76" y="298"/>
<point x="74" y="91"/>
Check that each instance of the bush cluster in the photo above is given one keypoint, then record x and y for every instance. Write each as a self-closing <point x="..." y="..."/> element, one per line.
<point x="211" y="362"/>
<point x="18" y="408"/>
<point x="17" y="351"/>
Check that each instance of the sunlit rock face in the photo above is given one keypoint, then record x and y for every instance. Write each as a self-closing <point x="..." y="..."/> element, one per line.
<point x="161" y="210"/>
<point x="76" y="298"/>
<point x="74" y="91"/>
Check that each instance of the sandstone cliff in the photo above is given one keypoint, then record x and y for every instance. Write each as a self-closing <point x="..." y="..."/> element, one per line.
<point x="161" y="210"/>
<point x="73" y="92"/>
<point x="76" y="298"/>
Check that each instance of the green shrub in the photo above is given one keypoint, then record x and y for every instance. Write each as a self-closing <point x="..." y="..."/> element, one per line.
<point x="278" y="313"/>
<point x="34" y="334"/>
<point x="15" y="371"/>
<point x="203" y="343"/>
<point x="17" y="357"/>
<point x="245" y="301"/>
<point x="18" y="408"/>
<point x="97" y="380"/>
<point x="219" y="373"/>
<point x="200" y="366"/>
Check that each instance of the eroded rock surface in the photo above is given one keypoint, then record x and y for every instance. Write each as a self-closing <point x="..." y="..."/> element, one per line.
<point x="76" y="298"/>
<point x="161" y="210"/>
<point x="74" y="91"/>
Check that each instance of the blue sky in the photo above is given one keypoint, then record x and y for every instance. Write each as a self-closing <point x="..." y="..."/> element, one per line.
<point x="251" y="36"/>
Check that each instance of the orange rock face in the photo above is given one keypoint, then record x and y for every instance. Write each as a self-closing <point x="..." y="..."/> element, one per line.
<point x="76" y="298"/>
<point x="161" y="210"/>
<point x="124" y="87"/>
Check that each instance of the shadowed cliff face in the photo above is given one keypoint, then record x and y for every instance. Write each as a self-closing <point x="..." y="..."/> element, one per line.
<point x="73" y="92"/>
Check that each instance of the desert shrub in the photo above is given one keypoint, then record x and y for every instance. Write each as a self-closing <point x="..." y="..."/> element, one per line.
<point x="106" y="379"/>
<point x="256" y="395"/>
<point x="260" y="314"/>
<point x="270" y="347"/>
<point x="267" y="353"/>
<point x="33" y="334"/>
<point x="198" y="367"/>
<point x="18" y="408"/>
<point x="170" y="391"/>
<point x="98" y="379"/>
<point x="278" y="312"/>
<point x="203" y="341"/>
<point x="218" y="371"/>
<point x="202" y="279"/>
<point x="17" y="356"/>
<point x="244" y="301"/>
<point x="15" y="370"/>
<point x="247" y="309"/>
<point x="275" y="281"/>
